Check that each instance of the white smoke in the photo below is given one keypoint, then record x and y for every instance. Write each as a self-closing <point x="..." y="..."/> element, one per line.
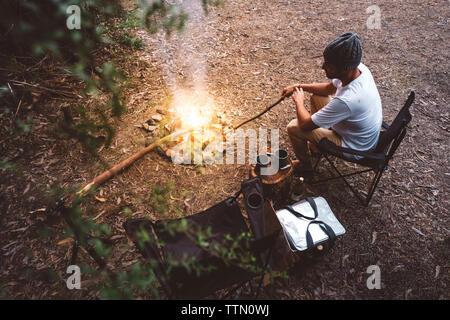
<point x="182" y="54"/>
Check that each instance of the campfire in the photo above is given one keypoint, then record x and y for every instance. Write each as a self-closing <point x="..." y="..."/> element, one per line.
<point x="195" y="111"/>
<point x="196" y="132"/>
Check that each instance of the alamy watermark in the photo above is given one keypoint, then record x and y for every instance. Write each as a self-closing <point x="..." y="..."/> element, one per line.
<point x="374" y="280"/>
<point x="74" y="280"/>
<point x="73" y="21"/>
<point x="374" y="20"/>
<point x="192" y="151"/>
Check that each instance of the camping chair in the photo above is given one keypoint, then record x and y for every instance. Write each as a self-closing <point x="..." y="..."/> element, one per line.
<point x="375" y="160"/>
<point x="225" y="222"/>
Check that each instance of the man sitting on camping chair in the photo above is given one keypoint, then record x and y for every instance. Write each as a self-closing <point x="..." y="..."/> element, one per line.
<point x="352" y="118"/>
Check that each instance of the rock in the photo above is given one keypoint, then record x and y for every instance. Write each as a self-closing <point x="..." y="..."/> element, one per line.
<point x="157" y="117"/>
<point x="148" y="127"/>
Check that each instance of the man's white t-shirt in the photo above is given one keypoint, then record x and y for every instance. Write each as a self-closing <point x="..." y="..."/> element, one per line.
<point x="354" y="113"/>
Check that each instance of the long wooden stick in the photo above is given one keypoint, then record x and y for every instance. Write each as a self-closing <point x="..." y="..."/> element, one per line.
<point x="260" y="114"/>
<point x="127" y="162"/>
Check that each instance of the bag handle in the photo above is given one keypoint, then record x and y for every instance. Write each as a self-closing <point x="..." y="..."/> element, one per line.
<point x="326" y="228"/>
<point x="300" y="215"/>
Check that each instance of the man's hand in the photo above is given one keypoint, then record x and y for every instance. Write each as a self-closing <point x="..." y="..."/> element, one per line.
<point x="304" y="118"/>
<point x="298" y="96"/>
<point x="289" y="90"/>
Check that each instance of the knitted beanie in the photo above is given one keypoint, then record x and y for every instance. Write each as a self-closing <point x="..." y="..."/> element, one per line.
<point x="345" y="52"/>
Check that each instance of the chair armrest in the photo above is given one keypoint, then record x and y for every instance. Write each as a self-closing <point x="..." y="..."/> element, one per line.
<point x="385" y="125"/>
<point x="327" y="146"/>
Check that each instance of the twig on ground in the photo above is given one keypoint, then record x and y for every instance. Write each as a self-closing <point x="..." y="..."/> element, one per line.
<point x="60" y="92"/>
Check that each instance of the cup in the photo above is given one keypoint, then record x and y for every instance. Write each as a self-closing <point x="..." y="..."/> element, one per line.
<point x="262" y="161"/>
<point x="282" y="157"/>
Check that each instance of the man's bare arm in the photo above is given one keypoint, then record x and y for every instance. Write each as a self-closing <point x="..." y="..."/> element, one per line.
<point x="321" y="89"/>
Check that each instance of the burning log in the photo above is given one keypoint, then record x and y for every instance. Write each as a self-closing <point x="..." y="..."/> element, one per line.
<point x="195" y="111"/>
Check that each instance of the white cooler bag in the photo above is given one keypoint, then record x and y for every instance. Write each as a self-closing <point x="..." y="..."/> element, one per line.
<point x="309" y="223"/>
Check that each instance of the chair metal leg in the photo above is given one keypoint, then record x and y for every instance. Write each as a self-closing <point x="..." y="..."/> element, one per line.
<point x="356" y="193"/>
<point x="372" y="187"/>
<point x="340" y="176"/>
<point x="375" y="181"/>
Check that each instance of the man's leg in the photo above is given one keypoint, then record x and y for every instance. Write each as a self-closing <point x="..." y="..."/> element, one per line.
<point x="318" y="102"/>
<point x="298" y="143"/>
<point x="300" y="137"/>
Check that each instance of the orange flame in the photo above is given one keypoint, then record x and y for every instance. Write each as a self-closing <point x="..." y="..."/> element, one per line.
<point x="197" y="111"/>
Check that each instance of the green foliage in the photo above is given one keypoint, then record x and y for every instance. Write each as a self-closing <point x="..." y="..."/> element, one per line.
<point x="87" y="269"/>
<point x="85" y="230"/>
<point x="158" y="14"/>
<point x="40" y="26"/>
<point x="128" y="40"/>
<point x="6" y="165"/>
<point x="100" y="248"/>
<point x="44" y="233"/>
<point x="90" y="132"/>
<point x="216" y="3"/>
<point x="127" y="212"/>
<point x="131" y="284"/>
<point x="56" y="192"/>
<point x="133" y="19"/>
<point x="160" y="198"/>
<point x="16" y="127"/>
<point x="23" y="127"/>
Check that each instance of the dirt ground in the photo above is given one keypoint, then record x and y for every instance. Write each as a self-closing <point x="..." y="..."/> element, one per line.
<point x="251" y="50"/>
